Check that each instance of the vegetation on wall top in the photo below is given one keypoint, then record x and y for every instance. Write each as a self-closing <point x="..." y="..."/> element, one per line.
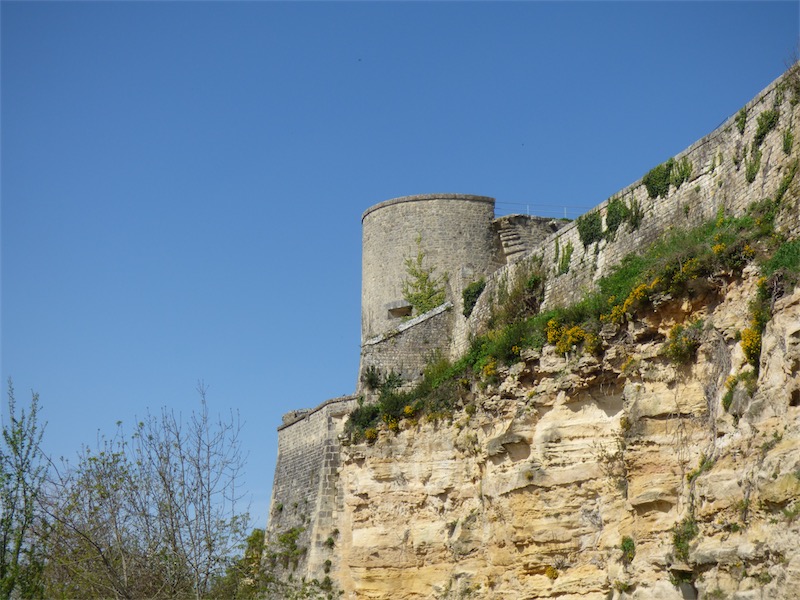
<point x="667" y="269"/>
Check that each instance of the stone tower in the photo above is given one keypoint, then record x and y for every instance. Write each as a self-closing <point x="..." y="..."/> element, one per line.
<point x="453" y="230"/>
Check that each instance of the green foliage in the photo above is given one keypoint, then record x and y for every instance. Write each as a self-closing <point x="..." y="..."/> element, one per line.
<point x="422" y="290"/>
<point x="590" y="228"/>
<point x="371" y="377"/>
<point x="628" y="547"/>
<point x="681" y="171"/>
<point x="786" y="258"/>
<point x="244" y="577"/>
<point x="289" y="552"/>
<point x="706" y="463"/>
<point x="522" y="297"/>
<point x="786" y="181"/>
<point x="767" y="121"/>
<point x="149" y="511"/>
<point x="682" y="534"/>
<point x="788" y="140"/>
<point x="22" y="476"/>
<point x="566" y="256"/>
<point x="635" y="214"/>
<point x="741" y="119"/>
<point x="616" y="213"/>
<point x="471" y="294"/>
<point x="622" y="586"/>
<point x="363" y="416"/>
<point x="752" y="166"/>
<point x="683" y="342"/>
<point x="657" y="180"/>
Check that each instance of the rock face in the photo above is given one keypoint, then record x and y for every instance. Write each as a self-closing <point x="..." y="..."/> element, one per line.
<point x="582" y="478"/>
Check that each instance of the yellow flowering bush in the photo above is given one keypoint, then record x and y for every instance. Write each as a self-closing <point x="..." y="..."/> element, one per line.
<point x="751" y="345"/>
<point x="570" y="338"/>
<point x="554" y="331"/>
<point x="489" y="369"/>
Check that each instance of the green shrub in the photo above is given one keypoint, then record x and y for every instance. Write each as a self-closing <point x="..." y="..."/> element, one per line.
<point x="786" y="181"/>
<point x="741" y="119"/>
<point x="683" y="533"/>
<point x="566" y="256"/>
<point x="681" y="172"/>
<point x="705" y="464"/>
<point x="784" y="265"/>
<point x="371" y="377"/>
<point x="617" y="212"/>
<point x="421" y="289"/>
<point x="752" y="166"/>
<point x="635" y="214"/>
<point x="471" y="294"/>
<point x="590" y="228"/>
<point x="683" y="342"/>
<point x="628" y="547"/>
<point x="657" y="179"/>
<point x="788" y="140"/>
<point x="363" y="416"/>
<point x="767" y="121"/>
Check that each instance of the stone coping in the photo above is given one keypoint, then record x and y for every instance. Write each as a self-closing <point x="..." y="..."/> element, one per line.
<point x="426" y="197"/>
<point x="316" y="409"/>
<point x="408" y="324"/>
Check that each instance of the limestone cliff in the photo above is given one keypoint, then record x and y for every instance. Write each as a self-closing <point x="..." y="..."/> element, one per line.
<point x="574" y="477"/>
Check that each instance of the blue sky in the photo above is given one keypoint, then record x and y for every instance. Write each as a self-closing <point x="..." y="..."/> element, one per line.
<point x="182" y="183"/>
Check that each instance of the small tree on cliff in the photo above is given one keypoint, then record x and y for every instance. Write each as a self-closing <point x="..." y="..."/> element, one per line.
<point x="422" y="290"/>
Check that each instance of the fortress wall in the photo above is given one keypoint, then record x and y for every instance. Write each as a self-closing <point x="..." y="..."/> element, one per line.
<point x="455" y="234"/>
<point x="716" y="182"/>
<point x="306" y="484"/>
<point x="304" y="492"/>
<point x="407" y="349"/>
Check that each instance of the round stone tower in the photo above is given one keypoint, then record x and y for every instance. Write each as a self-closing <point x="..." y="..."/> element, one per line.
<point x="454" y="231"/>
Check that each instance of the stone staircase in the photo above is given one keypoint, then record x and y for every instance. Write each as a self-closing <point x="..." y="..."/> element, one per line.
<point x="512" y="242"/>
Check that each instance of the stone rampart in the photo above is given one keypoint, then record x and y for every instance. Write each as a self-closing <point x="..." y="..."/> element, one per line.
<point x="718" y="181"/>
<point x="304" y="492"/>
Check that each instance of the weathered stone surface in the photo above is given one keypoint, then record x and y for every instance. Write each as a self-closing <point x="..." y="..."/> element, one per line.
<point x="534" y="503"/>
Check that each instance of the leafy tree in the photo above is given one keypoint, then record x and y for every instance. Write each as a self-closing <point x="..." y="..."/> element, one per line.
<point x="152" y="514"/>
<point x="421" y="289"/>
<point x="22" y="472"/>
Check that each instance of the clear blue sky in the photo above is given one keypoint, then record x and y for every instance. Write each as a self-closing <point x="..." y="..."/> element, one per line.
<point x="182" y="183"/>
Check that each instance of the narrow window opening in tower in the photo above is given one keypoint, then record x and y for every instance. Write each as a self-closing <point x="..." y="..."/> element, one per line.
<point x="399" y="309"/>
